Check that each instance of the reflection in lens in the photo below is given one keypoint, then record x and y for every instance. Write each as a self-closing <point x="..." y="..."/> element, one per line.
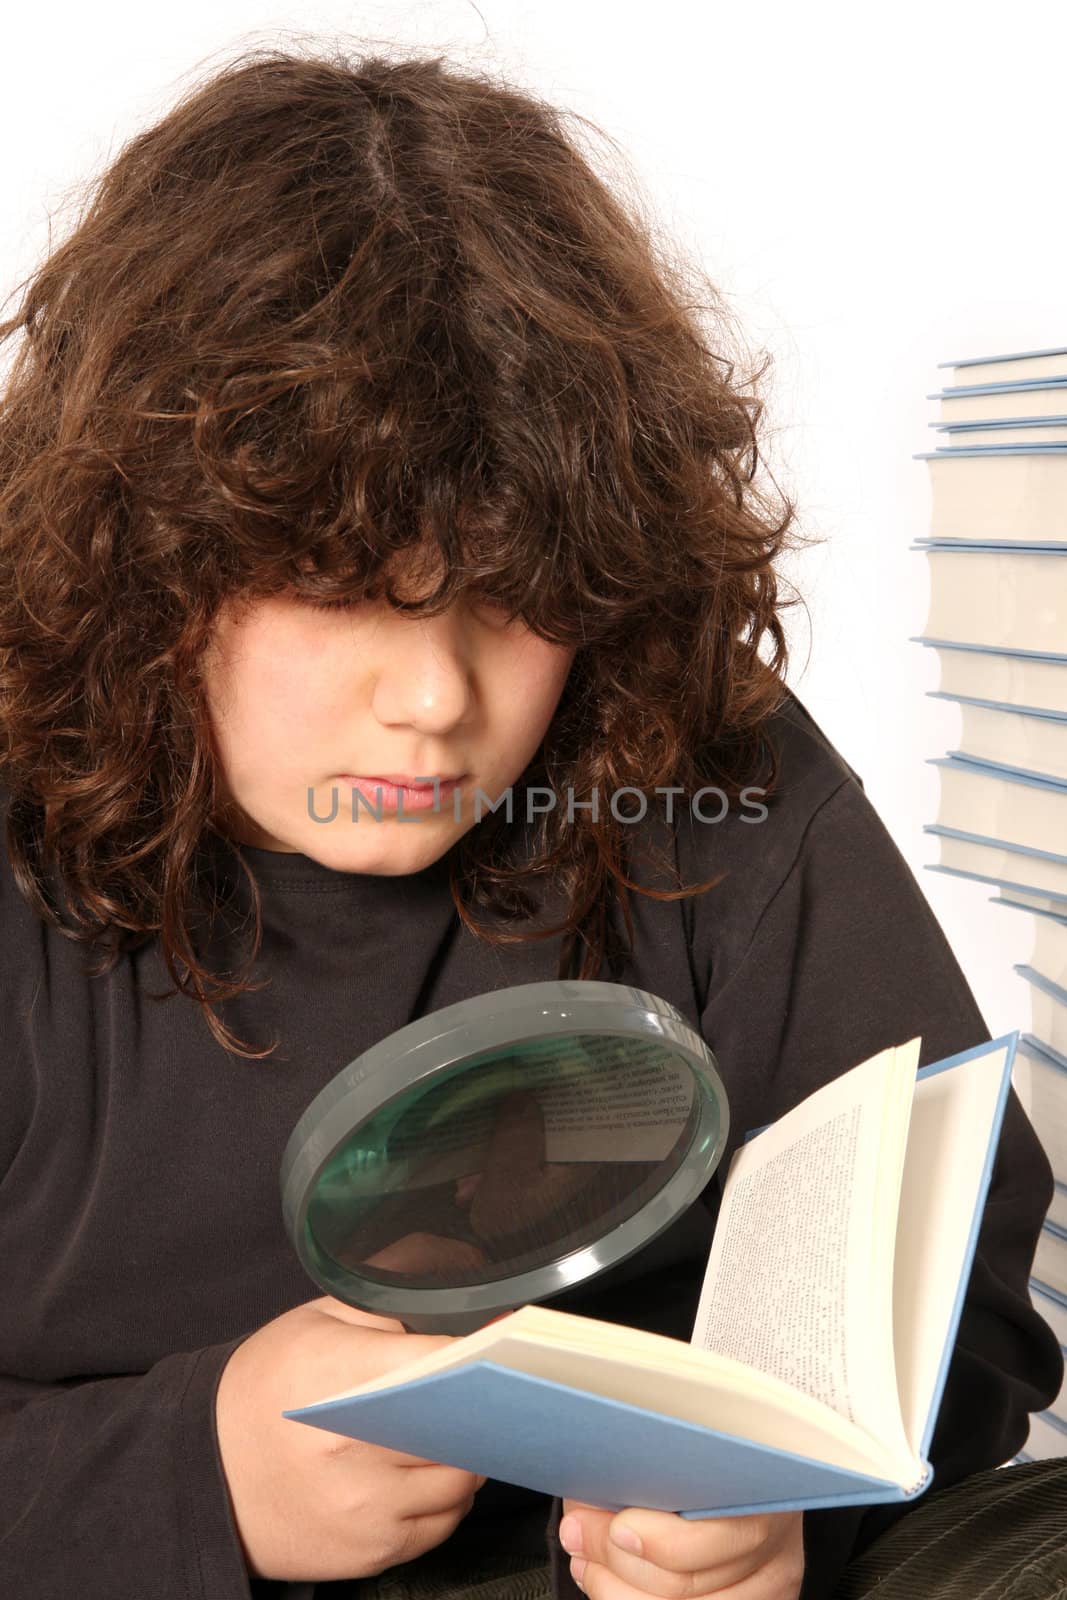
<point x="508" y="1161"/>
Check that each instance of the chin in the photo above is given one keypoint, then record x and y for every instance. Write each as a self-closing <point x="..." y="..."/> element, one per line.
<point x="389" y="859"/>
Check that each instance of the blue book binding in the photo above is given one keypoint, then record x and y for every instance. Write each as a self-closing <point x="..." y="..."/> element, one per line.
<point x="491" y="1418"/>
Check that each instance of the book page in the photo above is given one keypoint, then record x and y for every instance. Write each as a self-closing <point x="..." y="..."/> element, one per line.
<point x="799" y="1280"/>
<point x="948" y="1144"/>
<point x="602" y="1097"/>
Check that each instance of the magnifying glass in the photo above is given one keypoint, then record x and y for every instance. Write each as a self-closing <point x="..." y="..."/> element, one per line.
<point x="502" y="1149"/>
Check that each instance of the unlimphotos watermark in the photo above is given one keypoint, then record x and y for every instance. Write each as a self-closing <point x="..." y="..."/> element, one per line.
<point x="700" y="806"/>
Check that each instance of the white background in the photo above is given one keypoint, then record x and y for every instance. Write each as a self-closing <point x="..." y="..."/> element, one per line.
<point x="875" y="190"/>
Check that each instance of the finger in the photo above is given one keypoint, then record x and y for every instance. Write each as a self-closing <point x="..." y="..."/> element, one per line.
<point x="431" y="1489"/>
<point x="718" y="1551"/>
<point x="606" y="1572"/>
<point x="677" y="1557"/>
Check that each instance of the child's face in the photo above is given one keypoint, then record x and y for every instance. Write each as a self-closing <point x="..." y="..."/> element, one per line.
<point x="300" y="696"/>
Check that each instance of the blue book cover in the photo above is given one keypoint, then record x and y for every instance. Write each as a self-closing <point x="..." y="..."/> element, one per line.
<point x="1036" y="447"/>
<point x="1042" y="1051"/>
<point x="1020" y="547"/>
<point x="1045" y="712"/>
<point x="1010" y="355"/>
<point x="1039" y="981"/>
<point x="462" y="1407"/>
<point x="1005" y="769"/>
<point x="1013" y="385"/>
<point x="961" y="429"/>
<point x="987" y="649"/>
<point x="1011" y="884"/>
<point x="985" y="450"/>
<point x="1037" y="911"/>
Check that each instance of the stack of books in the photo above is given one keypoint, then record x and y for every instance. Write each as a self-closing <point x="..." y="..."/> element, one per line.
<point x="997" y="556"/>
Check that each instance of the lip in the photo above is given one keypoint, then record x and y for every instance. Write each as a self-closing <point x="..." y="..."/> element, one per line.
<point x="402" y="780"/>
<point x="382" y="792"/>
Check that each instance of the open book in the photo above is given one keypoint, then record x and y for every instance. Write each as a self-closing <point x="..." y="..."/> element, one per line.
<point x="826" y="1322"/>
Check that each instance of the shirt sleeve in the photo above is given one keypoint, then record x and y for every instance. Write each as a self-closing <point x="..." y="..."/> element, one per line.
<point x="845" y="959"/>
<point x="114" y="1486"/>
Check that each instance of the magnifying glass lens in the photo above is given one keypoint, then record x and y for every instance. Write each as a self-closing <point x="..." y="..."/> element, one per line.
<point x="503" y="1149"/>
<point x="506" y="1162"/>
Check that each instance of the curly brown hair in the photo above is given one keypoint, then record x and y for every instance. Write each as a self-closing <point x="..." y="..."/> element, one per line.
<point x="323" y="311"/>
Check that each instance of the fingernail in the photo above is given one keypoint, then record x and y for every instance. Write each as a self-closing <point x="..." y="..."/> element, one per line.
<point x="570" y="1535"/>
<point x="626" y="1539"/>
<point x="577" y="1570"/>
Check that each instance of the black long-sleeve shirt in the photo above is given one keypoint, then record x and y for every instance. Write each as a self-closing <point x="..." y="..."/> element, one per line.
<point x="141" y="1236"/>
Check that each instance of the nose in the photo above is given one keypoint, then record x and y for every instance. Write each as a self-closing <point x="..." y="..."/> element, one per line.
<point x="425" y="679"/>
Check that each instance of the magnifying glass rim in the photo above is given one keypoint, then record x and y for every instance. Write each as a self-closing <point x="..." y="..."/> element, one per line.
<point x="470" y="1028"/>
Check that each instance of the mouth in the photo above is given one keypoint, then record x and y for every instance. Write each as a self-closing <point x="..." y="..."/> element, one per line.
<point x="391" y="795"/>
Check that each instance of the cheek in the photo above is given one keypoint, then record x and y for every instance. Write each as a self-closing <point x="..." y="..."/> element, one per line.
<point x="548" y="672"/>
<point x="289" y="699"/>
<point x="274" y="699"/>
<point x="528" y="686"/>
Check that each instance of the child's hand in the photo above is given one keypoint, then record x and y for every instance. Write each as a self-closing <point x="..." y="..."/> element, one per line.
<point x="737" y="1558"/>
<point x="311" y="1505"/>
